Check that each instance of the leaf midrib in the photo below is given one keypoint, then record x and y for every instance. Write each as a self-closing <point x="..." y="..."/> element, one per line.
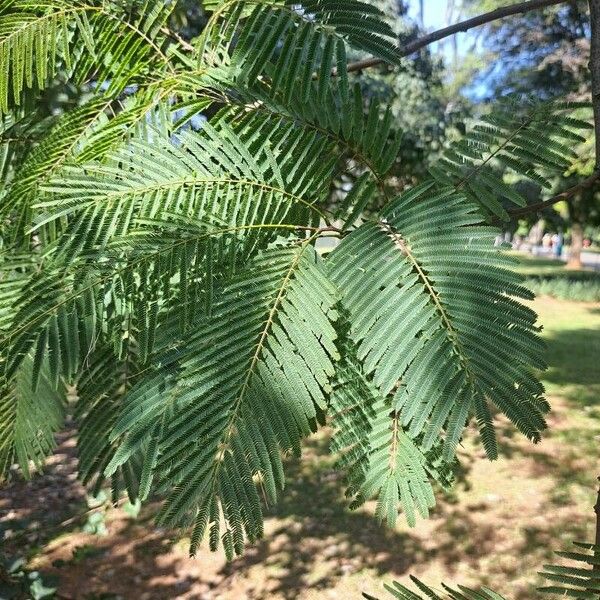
<point x="434" y="296"/>
<point x="225" y="439"/>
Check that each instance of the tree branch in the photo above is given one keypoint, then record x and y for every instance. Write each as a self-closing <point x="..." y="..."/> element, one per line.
<point x="568" y="193"/>
<point x="499" y="13"/>
<point x="177" y="38"/>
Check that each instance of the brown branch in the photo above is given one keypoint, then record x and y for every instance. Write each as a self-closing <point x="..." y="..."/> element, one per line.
<point x="499" y="13"/>
<point x="177" y="38"/>
<point x="597" y="539"/>
<point x="568" y="193"/>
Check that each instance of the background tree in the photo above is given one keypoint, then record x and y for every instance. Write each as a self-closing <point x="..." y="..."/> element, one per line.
<point x="546" y="53"/>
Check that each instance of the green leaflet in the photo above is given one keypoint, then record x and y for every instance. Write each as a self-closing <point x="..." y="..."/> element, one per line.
<point x="291" y="41"/>
<point x="523" y="137"/>
<point x="100" y="393"/>
<point x="36" y="38"/>
<point x="245" y="384"/>
<point x="369" y="139"/>
<point x="28" y="425"/>
<point x="58" y="146"/>
<point x="218" y="176"/>
<point x="56" y="319"/>
<point x="380" y="459"/>
<point x="433" y="329"/>
<point x="149" y="215"/>
<point x="401" y="592"/>
<point x="580" y="579"/>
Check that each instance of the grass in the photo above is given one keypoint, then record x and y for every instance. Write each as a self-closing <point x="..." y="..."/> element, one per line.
<point x="547" y="277"/>
<point x="572" y="332"/>
<point x="497" y="527"/>
<point x="533" y="266"/>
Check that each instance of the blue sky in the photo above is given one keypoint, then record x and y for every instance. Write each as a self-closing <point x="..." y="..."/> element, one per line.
<point x="434" y="12"/>
<point x="434" y="17"/>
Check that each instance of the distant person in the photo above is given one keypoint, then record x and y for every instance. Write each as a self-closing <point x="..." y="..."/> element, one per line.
<point x="546" y="241"/>
<point x="557" y="244"/>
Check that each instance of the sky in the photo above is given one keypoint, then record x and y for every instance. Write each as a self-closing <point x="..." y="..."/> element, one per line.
<point x="434" y="12"/>
<point x="434" y="17"/>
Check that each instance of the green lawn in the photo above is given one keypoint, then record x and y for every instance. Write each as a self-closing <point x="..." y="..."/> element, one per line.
<point x="548" y="277"/>
<point x="572" y="332"/>
<point x="537" y="266"/>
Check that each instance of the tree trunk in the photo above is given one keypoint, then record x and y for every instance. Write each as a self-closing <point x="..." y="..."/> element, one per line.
<point x="576" y="246"/>
<point x="596" y="566"/>
<point x="597" y="539"/>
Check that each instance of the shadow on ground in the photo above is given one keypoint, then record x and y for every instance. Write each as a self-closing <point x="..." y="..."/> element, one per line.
<point x="496" y="528"/>
<point x="313" y="540"/>
<point x="313" y="544"/>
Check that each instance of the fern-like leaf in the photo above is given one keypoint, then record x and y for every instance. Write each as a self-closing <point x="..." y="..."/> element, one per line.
<point x="214" y="176"/>
<point x="37" y="37"/>
<point x="532" y="140"/>
<point x="381" y="460"/>
<point x="446" y="338"/>
<point x="100" y="391"/>
<point x="249" y="382"/>
<point x="28" y="419"/>
<point x="580" y="579"/>
<point x="290" y="43"/>
<point x="401" y="592"/>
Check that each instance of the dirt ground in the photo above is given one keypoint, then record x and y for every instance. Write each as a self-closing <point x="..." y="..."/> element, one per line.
<point x="497" y="527"/>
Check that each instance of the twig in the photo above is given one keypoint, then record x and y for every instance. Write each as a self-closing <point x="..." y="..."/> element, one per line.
<point x="440" y="34"/>
<point x="175" y="36"/>
<point x="80" y="516"/>
<point x="331" y="229"/>
<point x="320" y="230"/>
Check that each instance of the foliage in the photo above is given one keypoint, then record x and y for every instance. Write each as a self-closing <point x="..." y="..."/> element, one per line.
<point x="543" y="51"/>
<point x="582" y="580"/>
<point x="18" y="582"/>
<point x="546" y="53"/>
<point x="415" y="94"/>
<point x="159" y="261"/>
<point x="581" y="287"/>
